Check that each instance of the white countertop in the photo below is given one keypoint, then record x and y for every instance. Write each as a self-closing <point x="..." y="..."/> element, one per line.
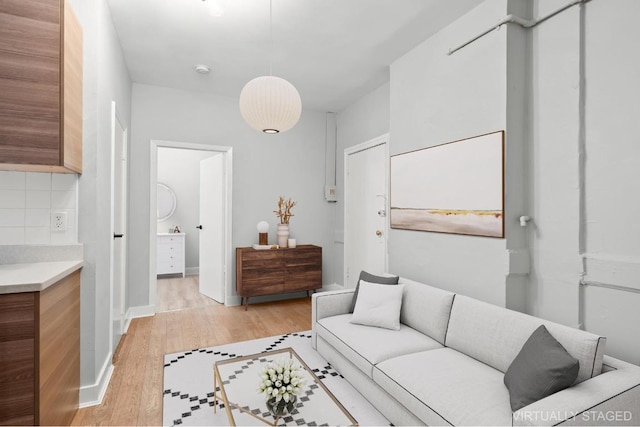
<point x="34" y="276"/>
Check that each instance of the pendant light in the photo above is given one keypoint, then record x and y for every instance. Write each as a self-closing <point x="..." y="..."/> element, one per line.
<point x="270" y="104"/>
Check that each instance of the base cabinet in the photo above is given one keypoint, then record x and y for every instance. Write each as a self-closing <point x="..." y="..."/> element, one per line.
<point x="276" y="271"/>
<point x="40" y="355"/>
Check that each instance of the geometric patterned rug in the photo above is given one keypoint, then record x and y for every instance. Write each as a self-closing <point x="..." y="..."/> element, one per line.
<point x="188" y="382"/>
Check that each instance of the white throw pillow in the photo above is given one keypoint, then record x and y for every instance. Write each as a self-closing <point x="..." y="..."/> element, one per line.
<point x="378" y="305"/>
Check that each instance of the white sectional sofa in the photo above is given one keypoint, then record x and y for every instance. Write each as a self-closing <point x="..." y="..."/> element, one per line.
<point x="446" y="364"/>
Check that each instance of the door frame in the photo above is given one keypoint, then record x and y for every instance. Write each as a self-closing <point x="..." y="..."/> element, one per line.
<point x="115" y="116"/>
<point x="380" y="140"/>
<point x="227" y="152"/>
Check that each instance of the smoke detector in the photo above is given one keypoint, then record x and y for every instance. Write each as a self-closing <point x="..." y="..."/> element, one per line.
<point x="202" y="69"/>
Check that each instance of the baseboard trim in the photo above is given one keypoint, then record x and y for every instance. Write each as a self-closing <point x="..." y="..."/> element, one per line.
<point x="232" y="301"/>
<point x="136" y="312"/>
<point x="92" y="395"/>
<point x="331" y="287"/>
<point x="192" y="271"/>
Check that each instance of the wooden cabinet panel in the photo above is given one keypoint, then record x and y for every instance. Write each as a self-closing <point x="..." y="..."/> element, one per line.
<point x="40" y="10"/>
<point x="263" y="275"/>
<point x="72" y="92"/>
<point x="274" y="271"/>
<point x="41" y="86"/>
<point x="30" y="31"/>
<point x="18" y="66"/>
<point x="40" y="355"/>
<point x="258" y="288"/>
<point x="59" y="359"/>
<point x="17" y="359"/>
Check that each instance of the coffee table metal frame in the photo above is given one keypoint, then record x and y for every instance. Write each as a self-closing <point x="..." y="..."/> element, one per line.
<point x="217" y="379"/>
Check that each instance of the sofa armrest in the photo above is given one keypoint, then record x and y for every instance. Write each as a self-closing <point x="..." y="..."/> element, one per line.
<point x="611" y="398"/>
<point x="327" y="304"/>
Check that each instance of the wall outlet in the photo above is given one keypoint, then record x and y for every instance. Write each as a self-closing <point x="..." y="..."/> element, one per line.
<point x="59" y="221"/>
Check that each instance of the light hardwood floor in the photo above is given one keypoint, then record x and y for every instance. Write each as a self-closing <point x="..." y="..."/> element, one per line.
<point x="178" y="293"/>
<point x="134" y="396"/>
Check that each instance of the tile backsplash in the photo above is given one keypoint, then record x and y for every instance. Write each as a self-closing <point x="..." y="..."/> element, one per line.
<point x="28" y="202"/>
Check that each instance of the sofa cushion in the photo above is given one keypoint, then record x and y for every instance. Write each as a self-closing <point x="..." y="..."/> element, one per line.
<point x="371" y="278"/>
<point x="444" y="386"/>
<point x="542" y="367"/>
<point x="364" y="346"/>
<point x="426" y="309"/>
<point x="478" y="329"/>
<point x="378" y="305"/>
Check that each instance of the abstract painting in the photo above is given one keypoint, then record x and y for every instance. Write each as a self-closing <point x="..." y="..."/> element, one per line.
<point x="456" y="187"/>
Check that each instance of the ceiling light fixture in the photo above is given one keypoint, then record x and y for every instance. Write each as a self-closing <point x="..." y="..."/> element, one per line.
<point x="270" y="104"/>
<point x="214" y="7"/>
<point x="202" y="69"/>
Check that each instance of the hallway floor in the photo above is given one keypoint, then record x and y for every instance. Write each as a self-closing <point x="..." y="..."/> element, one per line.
<point x="178" y="293"/>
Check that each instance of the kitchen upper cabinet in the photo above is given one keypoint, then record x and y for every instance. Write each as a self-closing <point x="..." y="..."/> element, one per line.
<point x="40" y="86"/>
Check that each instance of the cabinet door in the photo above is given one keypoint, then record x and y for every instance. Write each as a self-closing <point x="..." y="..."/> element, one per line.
<point x="17" y="354"/>
<point x="59" y="361"/>
<point x="304" y="269"/>
<point x="30" y="82"/>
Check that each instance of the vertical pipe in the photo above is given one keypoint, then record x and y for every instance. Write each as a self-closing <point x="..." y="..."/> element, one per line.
<point x="582" y="163"/>
<point x="330" y="150"/>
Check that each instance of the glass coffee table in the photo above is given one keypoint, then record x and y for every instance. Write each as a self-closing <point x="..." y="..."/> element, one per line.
<point x="238" y="380"/>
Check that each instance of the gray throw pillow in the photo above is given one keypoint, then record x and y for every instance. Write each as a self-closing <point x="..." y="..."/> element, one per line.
<point x="368" y="277"/>
<point x="542" y="367"/>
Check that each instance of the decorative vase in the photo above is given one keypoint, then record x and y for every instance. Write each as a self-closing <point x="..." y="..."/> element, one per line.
<point x="282" y="408"/>
<point x="283" y="235"/>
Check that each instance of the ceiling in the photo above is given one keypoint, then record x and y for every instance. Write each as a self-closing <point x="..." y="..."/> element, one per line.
<point x="333" y="51"/>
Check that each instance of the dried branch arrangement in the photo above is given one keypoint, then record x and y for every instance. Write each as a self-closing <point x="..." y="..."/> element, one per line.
<point x="284" y="210"/>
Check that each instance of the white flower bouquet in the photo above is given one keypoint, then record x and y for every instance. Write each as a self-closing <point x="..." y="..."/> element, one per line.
<point x="280" y="382"/>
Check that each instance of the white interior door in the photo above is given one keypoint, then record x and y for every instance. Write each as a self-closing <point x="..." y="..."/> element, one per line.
<point x="212" y="238"/>
<point x="119" y="215"/>
<point x="365" y="212"/>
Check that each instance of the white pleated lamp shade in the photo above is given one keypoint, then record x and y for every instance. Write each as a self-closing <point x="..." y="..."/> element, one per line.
<point x="270" y="104"/>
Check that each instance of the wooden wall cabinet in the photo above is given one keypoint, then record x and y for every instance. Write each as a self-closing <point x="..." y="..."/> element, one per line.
<point x="276" y="271"/>
<point x="40" y="354"/>
<point x="40" y="86"/>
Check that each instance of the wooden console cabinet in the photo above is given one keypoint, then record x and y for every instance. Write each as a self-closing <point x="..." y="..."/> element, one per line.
<point x="277" y="271"/>
<point x="40" y="354"/>
<point x="40" y="86"/>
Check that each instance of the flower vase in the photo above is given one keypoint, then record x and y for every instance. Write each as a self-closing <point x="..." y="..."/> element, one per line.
<point x="283" y="235"/>
<point x="281" y="408"/>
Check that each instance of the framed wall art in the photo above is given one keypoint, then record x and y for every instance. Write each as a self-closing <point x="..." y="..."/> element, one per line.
<point x="456" y="187"/>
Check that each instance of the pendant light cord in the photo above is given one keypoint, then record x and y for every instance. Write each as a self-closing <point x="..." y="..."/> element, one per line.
<point x="271" y="37"/>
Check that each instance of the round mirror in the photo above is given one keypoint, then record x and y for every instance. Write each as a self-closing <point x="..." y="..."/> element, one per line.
<point x="166" y="202"/>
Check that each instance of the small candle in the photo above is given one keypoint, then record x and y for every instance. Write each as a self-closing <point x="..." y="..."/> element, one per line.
<point x="292" y="243"/>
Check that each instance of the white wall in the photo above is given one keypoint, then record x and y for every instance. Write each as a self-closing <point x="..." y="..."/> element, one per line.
<point x="27" y="200"/>
<point x="584" y="161"/>
<point x="105" y="78"/>
<point x="437" y="98"/>
<point x="264" y="167"/>
<point x="179" y="169"/>
<point x="566" y="93"/>
<point x="365" y="119"/>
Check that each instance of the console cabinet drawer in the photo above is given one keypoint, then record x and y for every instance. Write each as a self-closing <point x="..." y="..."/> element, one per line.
<point x="275" y="271"/>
